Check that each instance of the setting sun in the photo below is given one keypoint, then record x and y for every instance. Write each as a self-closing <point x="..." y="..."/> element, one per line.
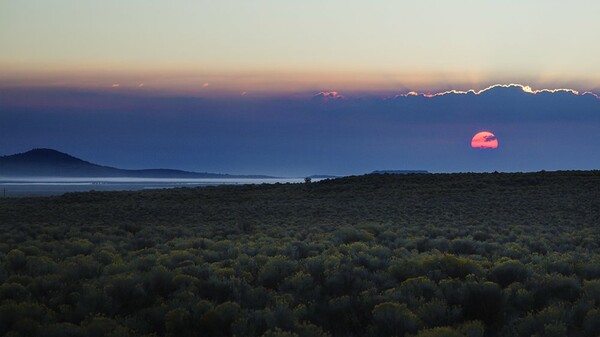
<point x="484" y="140"/>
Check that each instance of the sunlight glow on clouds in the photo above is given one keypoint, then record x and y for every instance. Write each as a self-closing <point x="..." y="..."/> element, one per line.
<point x="329" y="95"/>
<point x="525" y="88"/>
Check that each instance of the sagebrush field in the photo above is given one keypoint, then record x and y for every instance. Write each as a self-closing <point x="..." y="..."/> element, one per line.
<point x="377" y="255"/>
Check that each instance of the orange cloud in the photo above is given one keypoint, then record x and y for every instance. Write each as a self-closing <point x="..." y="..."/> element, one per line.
<point x="329" y="95"/>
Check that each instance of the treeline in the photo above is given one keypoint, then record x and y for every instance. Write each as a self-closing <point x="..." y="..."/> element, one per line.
<point x="377" y="255"/>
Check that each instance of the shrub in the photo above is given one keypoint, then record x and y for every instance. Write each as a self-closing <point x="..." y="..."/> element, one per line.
<point x="40" y="265"/>
<point x="310" y="330"/>
<point x="591" y="323"/>
<point x="556" y="287"/>
<point x="15" y="260"/>
<point x="392" y="319"/>
<point x="13" y="291"/>
<point x="218" y="321"/>
<point x="279" y="333"/>
<point x="350" y="234"/>
<point x="434" y="313"/>
<point x="440" y="332"/>
<point x="472" y="329"/>
<point x="591" y="289"/>
<point x="509" y="272"/>
<point x="178" y="323"/>
<point x="99" y="326"/>
<point x="281" y="317"/>
<point x="458" y="267"/>
<point x="484" y="302"/>
<point x="276" y="270"/>
<point x="418" y="287"/>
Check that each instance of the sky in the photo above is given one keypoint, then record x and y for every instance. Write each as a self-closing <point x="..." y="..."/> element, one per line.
<point x="233" y="86"/>
<point x="273" y="45"/>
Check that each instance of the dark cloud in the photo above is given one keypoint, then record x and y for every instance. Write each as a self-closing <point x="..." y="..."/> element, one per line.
<point x="298" y="136"/>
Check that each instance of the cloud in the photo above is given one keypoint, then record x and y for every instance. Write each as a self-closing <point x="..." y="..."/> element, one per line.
<point x="328" y="95"/>
<point x="524" y="88"/>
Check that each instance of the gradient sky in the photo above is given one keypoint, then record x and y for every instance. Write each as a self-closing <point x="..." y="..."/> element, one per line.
<point x="273" y="45"/>
<point x="239" y="86"/>
<point x="299" y="136"/>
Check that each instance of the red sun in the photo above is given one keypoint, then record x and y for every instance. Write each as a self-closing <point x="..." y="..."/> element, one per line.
<point x="484" y="140"/>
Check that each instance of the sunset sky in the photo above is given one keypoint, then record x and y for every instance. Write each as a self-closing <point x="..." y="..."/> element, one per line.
<point x="302" y="45"/>
<point x="233" y="86"/>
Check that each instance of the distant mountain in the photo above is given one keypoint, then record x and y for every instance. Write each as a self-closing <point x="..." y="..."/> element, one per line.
<point x="322" y="176"/>
<point x="399" y="172"/>
<point x="52" y="163"/>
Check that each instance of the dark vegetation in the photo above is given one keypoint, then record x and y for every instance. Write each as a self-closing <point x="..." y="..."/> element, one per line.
<point x="398" y="171"/>
<point x="378" y="255"/>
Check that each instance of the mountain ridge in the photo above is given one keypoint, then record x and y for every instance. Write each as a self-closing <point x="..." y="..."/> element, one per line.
<point x="400" y="172"/>
<point x="45" y="162"/>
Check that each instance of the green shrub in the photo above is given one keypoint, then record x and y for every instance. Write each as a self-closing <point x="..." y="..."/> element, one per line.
<point x="472" y="329"/>
<point x="392" y="319"/>
<point x="484" y="302"/>
<point x="178" y="323"/>
<point x="279" y="333"/>
<point x="15" y="260"/>
<point x="591" y="323"/>
<point x="276" y="270"/>
<point x="509" y="272"/>
<point x="440" y="332"/>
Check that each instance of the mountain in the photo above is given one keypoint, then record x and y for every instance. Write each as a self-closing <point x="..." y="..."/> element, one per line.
<point x="399" y="172"/>
<point x="322" y="176"/>
<point x="52" y="163"/>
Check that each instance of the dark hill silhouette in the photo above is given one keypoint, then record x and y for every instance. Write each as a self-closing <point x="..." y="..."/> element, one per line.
<point x="52" y="163"/>
<point x="400" y="172"/>
<point x="322" y="176"/>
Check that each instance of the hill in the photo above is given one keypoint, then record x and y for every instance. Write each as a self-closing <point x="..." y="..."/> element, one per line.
<point x="400" y="172"/>
<point x="52" y="163"/>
